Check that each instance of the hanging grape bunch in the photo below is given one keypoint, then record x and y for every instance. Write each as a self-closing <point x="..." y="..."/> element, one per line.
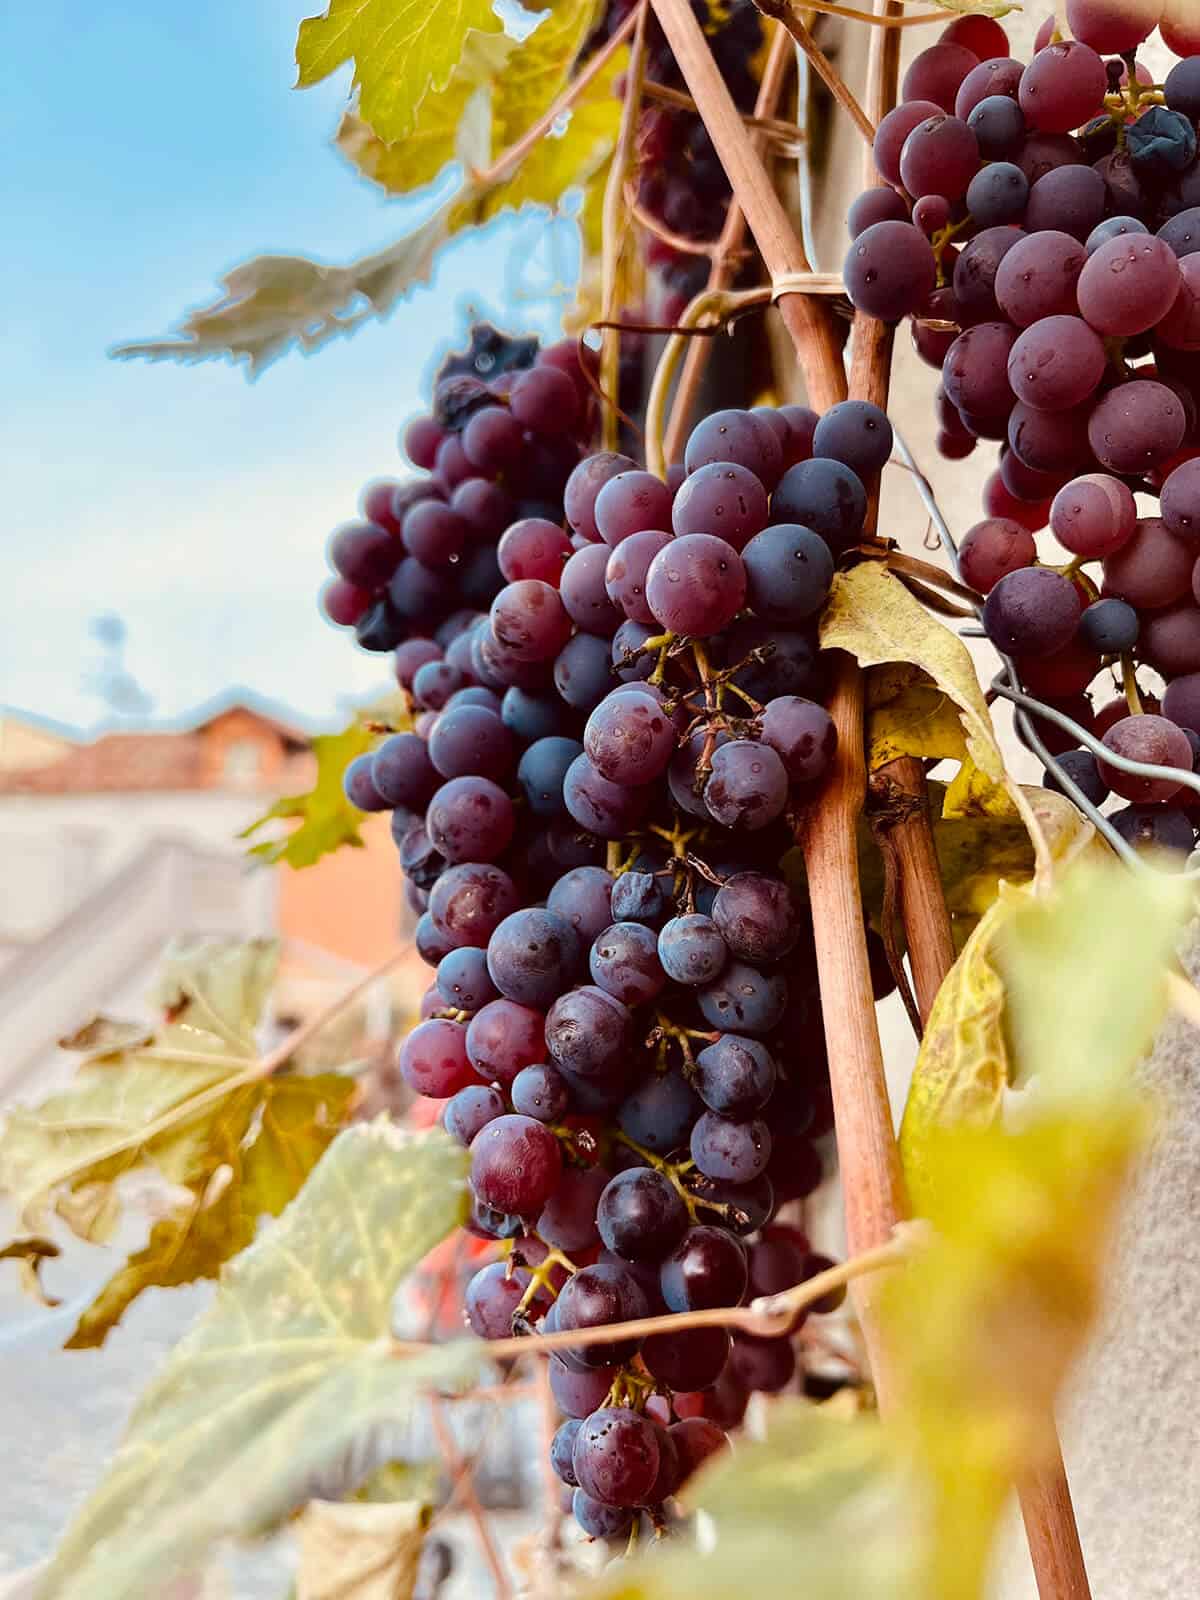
<point x="1040" y="226"/>
<point x="612" y="727"/>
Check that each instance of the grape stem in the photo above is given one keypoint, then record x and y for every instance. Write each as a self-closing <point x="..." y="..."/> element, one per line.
<point x="615" y="226"/>
<point x="783" y="13"/>
<point x="1129" y="684"/>
<point x="768" y="1318"/>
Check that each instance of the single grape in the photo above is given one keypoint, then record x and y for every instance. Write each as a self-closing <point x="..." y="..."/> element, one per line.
<point x="624" y="963"/>
<point x="1109" y="627"/>
<point x="516" y="1165"/>
<point x="936" y="74"/>
<point x="1038" y="277"/>
<point x="697" y="1440"/>
<point x="1069" y="199"/>
<point x="789" y="572"/>
<point x="747" y="787"/>
<point x="542" y="770"/>
<point x="707" y="1268"/>
<point x="463" y="981"/>
<point x="609" y="810"/>
<point x="890" y="270"/>
<point x="1113" y="26"/>
<point x="802" y="734"/>
<point x="976" y="272"/>
<point x="1182" y="87"/>
<point x="595" y="1297"/>
<point x="1128" y="285"/>
<point x="1050" y="441"/>
<point x="982" y="35"/>
<point x="1156" y="828"/>
<point x="530" y="717"/>
<point x="996" y="120"/>
<point x="857" y="434"/>
<point x="757" y="917"/>
<point x="1094" y="516"/>
<point x="585" y="484"/>
<point x="533" y="548"/>
<point x="1032" y="612"/>
<point x="825" y="496"/>
<point x="1180" y="501"/>
<point x="567" y="1221"/>
<point x="583" y="897"/>
<point x="540" y="1091"/>
<point x="998" y="193"/>
<point x="471" y="741"/>
<point x="720" y="498"/>
<point x="738" y="437"/>
<point x="696" y="585"/>
<point x="639" y="897"/>
<point x="641" y="1215"/>
<point x="689" y="1360"/>
<point x="561" y="1448"/>
<point x="744" y="1000"/>
<point x="1152" y="740"/>
<point x="491" y="1299"/>
<point x="735" y="1151"/>
<point x="471" y="819"/>
<point x="600" y="1521"/>
<point x="735" y="1077"/>
<point x="469" y="900"/>
<point x="976" y="372"/>
<point x="616" y="1457"/>
<point x="628" y="738"/>
<point x="1153" y="569"/>
<point x="626" y="568"/>
<point x="432" y="945"/>
<point x="660" y="1112"/>
<point x="1062" y="87"/>
<point x="578" y="1390"/>
<point x="503" y="1038"/>
<point x="545" y="400"/>
<point x="588" y="1032"/>
<point x="1113" y="228"/>
<point x="529" y="620"/>
<point x="893" y="130"/>
<point x="583" y="670"/>
<point x="630" y="503"/>
<point x="470" y="1110"/>
<point x="433" y="1059"/>
<point x="931" y="214"/>
<point x="881" y="204"/>
<point x="533" y="956"/>
<point x="1136" y="425"/>
<point x="991" y="550"/>
<point x="1170" y="639"/>
<point x="1056" y="364"/>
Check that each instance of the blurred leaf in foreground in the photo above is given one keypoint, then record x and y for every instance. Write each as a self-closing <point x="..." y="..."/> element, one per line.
<point x="359" y="1551"/>
<point x="187" y="1102"/>
<point x="258" y="1409"/>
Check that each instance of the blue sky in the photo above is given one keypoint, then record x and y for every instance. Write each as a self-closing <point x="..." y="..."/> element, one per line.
<point x="148" y="148"/>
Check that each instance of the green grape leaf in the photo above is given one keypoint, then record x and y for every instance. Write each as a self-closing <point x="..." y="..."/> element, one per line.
<point x="978" y="8"/>
<point x="360" y="1551"/>
<point x="327" y="818"/>
<point x="402" y="53"/>
<point x="187" y="1103"/>
<point x="272" y="304"/>
<point x="872" y="615"/>
<point x="263" y="1405"/>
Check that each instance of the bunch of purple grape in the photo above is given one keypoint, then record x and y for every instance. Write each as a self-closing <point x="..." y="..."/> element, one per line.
<point x="680" y="180"/>
<point x="506" y="432"/>
<point x="592" y="815"/>
<point x="1040" y="225"/>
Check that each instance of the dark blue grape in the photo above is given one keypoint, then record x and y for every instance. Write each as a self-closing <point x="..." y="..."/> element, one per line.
<point x="789" y="570"/>
<point x="735" y="1076"/>
<point x="470" y="1110"/>
<point x="641" y="1215"/>
<point x="1109" y="627"/>
<point x="540" y="1091"/>
<point x="533" y="956"/>
<point x="660" y="1112"/>
<point x="624" y="963"/>
<point x="530" y="716"/>
<point x="463" y="980"/>
<point x="732" y="1151"/>
<point x="583" y="897"/>
<point x="825" y="496"/>
<point x="744" y="1000"/>
<point x="541" y="771"/>
<point x="692" y="950"/>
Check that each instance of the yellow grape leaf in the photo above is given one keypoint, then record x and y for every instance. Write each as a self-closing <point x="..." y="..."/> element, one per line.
<point x="873" y="617"/>
<point x="264" y="1405"/>
<point x="976" y="853"/>
<point x="978" y="8"/>
<point x="455" y="125"/>
<point x="401" y="52"/>
<point x="29" y="1254"/>
<point x="271" y="303"/>
<point x="963" y="1065"/>
<point x="565" y="158"/>
<point x="908" y="715"/>
<point x="359" y="1551"/>
<point x="541" y="69"/>
<point x="263" y="1142"/>
<point x="327" y="818"/>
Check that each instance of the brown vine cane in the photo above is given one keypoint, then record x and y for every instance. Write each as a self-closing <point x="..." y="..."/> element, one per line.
<point x="866" y="1145"/>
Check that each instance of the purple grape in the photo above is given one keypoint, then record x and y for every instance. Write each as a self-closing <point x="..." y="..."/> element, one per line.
<point x="471" y="741"/>
<point x="585" y="484"/>
<point x="358" y="783"/>
<point x="583" y="670"/>
<point x="789" y="571"/>
<point x="744" y="1000"/>
<point x="584" y="595"/>
<point x="609" y="810"/>
<point x="706" y="1269"/>
<point x="567" y="1221"/>
<point x="529" y="620"/>
<point x="695" y="585"/>
<point x="737" y="437"/>
<point x="533" y="956"/>
<point x="756" y="917"/>
<point x="881" y="204"/>
<point x="578" y="1391"/>
<point x="541" y="1092"/>
<point x="583" y="897"/>
<point x="624" y="963"/>
<point x="600" y="1521"/>
<point x="1033" y="612"/>
<point x="802" y="734"/>
<point x="641" y="1215"/>
<point x="691" y="950"/>
<point x="470" y="1110"/>
<point x="630" y="503"/>
<point x="588" y="1032"/>
<point x="638" y="897"/>
<point x="503" y="1038"/>
<point x="721" y="498"/>
<point x="433" y="1059"/>
<point x="471" y="819"/>
<point x="747" y="787"/>
<point x="594" y="1298"/>
<point x="470" y="900"/>
<point x="541" y="772"/>
<point x="463" y="981"/>
<point x="516" y="1165"/>
<point x="629" y="739"/>
<point x="890" y="270"/>
<point x="735" y="1077"/>
<point x="732" y="1151"/>
<point x="660" y="1112"/>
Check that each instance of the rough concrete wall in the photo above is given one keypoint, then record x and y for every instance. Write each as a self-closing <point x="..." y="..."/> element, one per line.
<point x="1131" y="1429"/>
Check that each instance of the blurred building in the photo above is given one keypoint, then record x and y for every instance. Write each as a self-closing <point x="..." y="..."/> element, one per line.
<point x="111" y="845"/>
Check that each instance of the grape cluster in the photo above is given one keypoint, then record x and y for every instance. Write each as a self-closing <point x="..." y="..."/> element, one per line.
<point x="591" y="814"/>
<point x="680" y="180"/>
<point x="505" y="434"/>
<point x="1040" y="225"/>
